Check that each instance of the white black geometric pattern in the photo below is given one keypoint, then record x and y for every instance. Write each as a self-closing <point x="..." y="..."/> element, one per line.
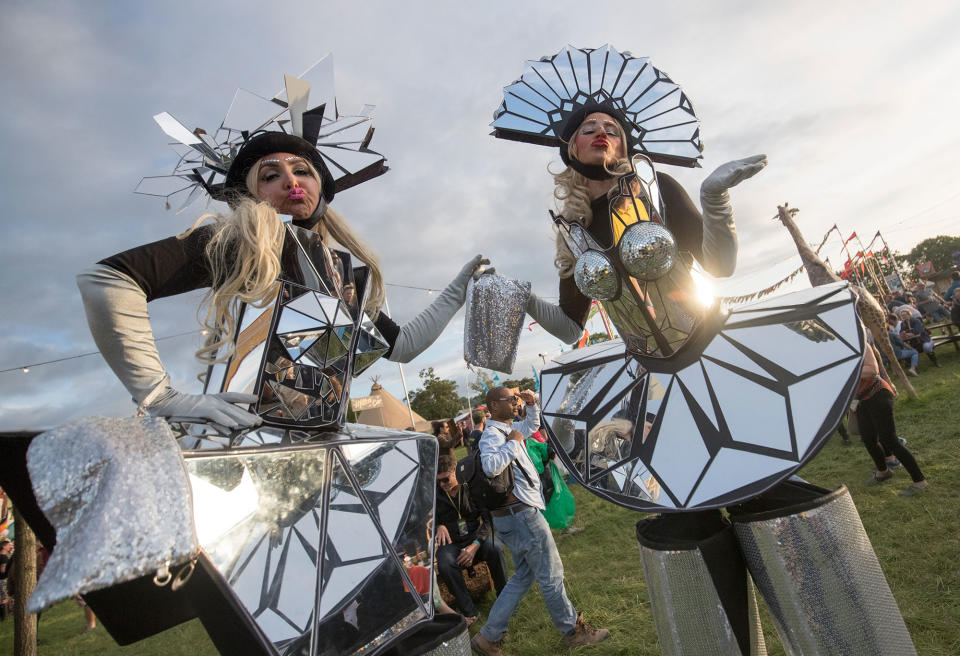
<point x="758" y="402"/>
<point x="318" y="543"/>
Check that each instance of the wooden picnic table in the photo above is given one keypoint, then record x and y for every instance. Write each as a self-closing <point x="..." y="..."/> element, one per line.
<point x="950" y="334"/>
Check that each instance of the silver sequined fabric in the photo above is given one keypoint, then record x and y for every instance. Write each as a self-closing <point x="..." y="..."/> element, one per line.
<point x="116" y="492"/>
<point x="493" y="320"/>
<point x="456" y="646"/>
<point x="821" y="580"/>
<point x="686" y="609"/>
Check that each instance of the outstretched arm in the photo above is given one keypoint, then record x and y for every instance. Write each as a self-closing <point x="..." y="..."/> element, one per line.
<point x="719" y="244"/>
<point x="554" y="320"/>
<point x="419" y="333"/>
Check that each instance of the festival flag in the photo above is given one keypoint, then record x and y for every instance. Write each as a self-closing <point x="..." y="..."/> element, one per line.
<point x="850" y="238"/>
<point x="531" y="325"/>
<point x="536" y="379"/>
<point x="583" y="339"/>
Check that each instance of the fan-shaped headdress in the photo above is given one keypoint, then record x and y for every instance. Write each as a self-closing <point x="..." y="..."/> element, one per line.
<point x="660" y="119"/>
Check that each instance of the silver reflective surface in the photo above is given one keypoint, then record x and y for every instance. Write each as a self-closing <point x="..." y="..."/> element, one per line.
<point x="295" y="353"/>
<point x="494" y="315"/>
<point x="535" y="107"/>
<point x="328" y="547"/>
<point x="311" y="111"/>
<point x="596" y="277"/>
<point x="648" y="251"/>
<point x="645" y="282"/>
<point x="758" y="402"/>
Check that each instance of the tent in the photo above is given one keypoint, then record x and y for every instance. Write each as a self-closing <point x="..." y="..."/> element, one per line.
<point x="381" y="408"/>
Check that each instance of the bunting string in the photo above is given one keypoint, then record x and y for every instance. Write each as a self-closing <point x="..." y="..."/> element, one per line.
<point x="735" y="300"/>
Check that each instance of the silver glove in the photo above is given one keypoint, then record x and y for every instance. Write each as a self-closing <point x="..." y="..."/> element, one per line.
<point x="719" y="243"/>
<point x="217" y="409"/>
<point x="419" y="333"/>
<point x="116" y="310"/>
<point x="554" y="320"/>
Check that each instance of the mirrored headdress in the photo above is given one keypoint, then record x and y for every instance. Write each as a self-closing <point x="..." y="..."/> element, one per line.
<point x="306" y="107"/>
<point x="536" y="107"/>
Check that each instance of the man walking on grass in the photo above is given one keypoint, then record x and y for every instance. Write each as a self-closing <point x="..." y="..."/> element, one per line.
<point x="522" y="527"/>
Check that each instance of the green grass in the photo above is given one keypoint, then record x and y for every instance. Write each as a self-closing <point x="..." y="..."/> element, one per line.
<point x="917" y="541"/>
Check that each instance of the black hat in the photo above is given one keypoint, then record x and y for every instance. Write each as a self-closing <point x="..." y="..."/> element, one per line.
<point x="265" y="143"/>
<point x="576" y="119"/>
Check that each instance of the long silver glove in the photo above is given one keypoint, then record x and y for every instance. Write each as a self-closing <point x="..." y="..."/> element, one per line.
<point x="116" y="310"/>
<point x="719" y="243"/>
<point x="419" y="333"/>
<point x="554" y="320"/>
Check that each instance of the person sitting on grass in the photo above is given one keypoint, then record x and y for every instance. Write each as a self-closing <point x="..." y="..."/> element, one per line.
<point x="463" y="538"/>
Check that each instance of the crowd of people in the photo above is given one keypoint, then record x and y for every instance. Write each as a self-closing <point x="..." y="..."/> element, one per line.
<point x="910" y="315"/>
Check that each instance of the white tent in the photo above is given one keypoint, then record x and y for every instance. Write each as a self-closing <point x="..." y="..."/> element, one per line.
<point x="381" y="408"/>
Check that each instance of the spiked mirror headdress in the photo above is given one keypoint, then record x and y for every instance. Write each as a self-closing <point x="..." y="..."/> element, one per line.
<point x="337" y="144"/>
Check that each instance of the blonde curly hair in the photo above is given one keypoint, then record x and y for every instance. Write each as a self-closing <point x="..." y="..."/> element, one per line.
<point x="244" y="257"/>
<point x="573" y="201"/>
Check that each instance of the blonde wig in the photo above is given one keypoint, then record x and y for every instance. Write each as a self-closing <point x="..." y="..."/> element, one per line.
<point x="573" y="201"/>
<point x="244" y="256"/>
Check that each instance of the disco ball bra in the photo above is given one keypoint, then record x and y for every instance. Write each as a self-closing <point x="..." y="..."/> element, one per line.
<point x="693" y="407"/>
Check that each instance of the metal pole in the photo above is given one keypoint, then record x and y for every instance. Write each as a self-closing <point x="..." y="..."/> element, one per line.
<point x="403" y="379"/>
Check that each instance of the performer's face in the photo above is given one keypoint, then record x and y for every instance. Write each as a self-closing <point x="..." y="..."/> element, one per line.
<point x="599" y="140"/>
<point x="287" y="183"/>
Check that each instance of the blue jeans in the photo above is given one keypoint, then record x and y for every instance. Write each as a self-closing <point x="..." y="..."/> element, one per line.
<point x="535" y="558"/>
<point x="909" y="353"/>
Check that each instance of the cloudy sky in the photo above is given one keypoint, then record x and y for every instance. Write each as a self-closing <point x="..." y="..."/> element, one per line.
<point x="855" y="106"/>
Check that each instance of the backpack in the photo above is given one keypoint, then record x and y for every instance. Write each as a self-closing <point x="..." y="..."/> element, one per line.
<point x="486" y="492"/>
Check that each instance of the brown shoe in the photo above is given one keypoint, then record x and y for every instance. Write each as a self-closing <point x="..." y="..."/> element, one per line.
<point x="484" y="647"/>
<point x="584" y="634"/>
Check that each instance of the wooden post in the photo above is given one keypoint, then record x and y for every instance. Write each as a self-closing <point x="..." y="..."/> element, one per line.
<point x="25" y="580"/>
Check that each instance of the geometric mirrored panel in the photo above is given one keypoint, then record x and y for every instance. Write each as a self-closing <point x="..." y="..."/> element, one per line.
<point x="711" y="430"/>
<point x="326" y="545"/>
<point x="258" y="517"/>
<point x="297" y="355"/>
<point x="367" y="594"/>
<point x="371" y="346"/>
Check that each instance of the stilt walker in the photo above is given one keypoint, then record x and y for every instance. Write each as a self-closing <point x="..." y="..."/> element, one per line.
<point x="695" y="409"/>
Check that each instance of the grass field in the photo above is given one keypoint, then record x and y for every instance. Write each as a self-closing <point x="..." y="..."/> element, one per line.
<point x="917" y="541"/>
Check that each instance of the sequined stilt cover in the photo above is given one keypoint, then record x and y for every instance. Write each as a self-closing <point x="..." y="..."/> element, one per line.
<point x="821" y="579"/>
